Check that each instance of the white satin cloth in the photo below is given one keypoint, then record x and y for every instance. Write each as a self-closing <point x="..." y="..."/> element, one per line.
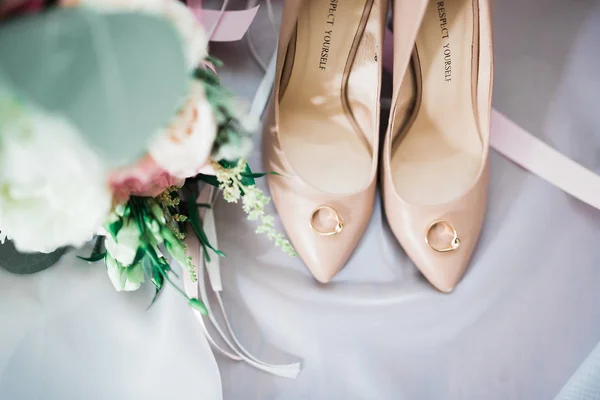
<point x="524" y="318"/>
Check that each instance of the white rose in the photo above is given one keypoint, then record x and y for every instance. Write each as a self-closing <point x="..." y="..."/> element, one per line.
<point x="54" y="189"/>
<point x="191" y="32"/>
<point x="125" y="247"/>
<point x="124" y="278"/>
<point x="183" y="148"/>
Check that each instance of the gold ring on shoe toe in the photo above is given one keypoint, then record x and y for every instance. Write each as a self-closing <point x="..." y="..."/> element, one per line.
<point x="454" y="242"/>
<point x="338" y="219"/>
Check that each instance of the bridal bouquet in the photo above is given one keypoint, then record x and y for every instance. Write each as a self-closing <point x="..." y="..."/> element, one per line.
<point x="110" y="120"/>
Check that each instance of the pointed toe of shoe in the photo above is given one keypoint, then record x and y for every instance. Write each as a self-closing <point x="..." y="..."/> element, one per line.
<point x="325" y="263"/>
<point x="324" y="254"/>
<point x="442" y="270"/>
<point x="444" y="262"/>
<point x="439" y="239"/>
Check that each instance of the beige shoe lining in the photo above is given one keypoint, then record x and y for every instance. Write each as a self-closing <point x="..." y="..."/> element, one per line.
<point x="439" y="157"/>
<point x="318" y="131"/>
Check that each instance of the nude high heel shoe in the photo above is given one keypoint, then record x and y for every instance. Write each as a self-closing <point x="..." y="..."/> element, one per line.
<point x="435" y="156"/>
<point x="321" y="131"/>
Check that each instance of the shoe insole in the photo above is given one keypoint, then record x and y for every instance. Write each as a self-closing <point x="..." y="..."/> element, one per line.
<point x="316" y="132"/>
<point x="440" y="155"/>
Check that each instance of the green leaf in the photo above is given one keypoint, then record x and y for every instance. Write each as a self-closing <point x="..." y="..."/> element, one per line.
<point x="115" y="227"/>
<point x="204" y="239"/>
<point x="198" y="305"/>
<point x="215" y="61"/>
<point x="207" y="75"/>
<point x="168" y="235"/>
<point x="254" y="175"/>
<point x="155" y="276"/>
<point x="197" y="227"/>
<point x="228" y="164"/>
<point x="155" y="297"/>
<point x="210" y="179"/>
<point x="259" y="174"/>
<point x="26" y="263"/>
<point x="157" y="280"/>
<point x="177" y="251"/>
<point x="98" y="252"/>
<point x="247" y="178"/>
<point x="139" y="255"/>
<point x="93" y="257"/>
<point x="118" y="77"/>
<point x="205" y="252"/>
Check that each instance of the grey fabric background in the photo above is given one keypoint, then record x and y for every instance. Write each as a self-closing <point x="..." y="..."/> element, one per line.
<point x="523" y="319"/>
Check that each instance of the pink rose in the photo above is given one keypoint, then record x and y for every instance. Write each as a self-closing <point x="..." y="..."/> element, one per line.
<point x="145" y="178"/>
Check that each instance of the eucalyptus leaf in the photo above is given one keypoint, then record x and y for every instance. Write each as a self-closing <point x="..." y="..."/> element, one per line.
<point x="26" y="263"/>
<point x="119" y="76"/>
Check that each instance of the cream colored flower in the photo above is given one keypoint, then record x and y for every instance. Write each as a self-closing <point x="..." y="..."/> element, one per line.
<point x="53" y="187"/>
<point x="191" y="32"/>
<point x="124" y="278"/>
<point x="254" y="202"/>
<point x="183" y="148"/>
<point x="125" y="246"/>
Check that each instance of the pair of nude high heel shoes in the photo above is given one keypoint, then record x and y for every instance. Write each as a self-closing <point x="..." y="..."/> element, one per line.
<point x="322" y="130"/>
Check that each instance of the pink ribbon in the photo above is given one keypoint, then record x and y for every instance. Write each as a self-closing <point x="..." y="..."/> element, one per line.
<point x="529" y="152"/>
<point x="231" y="25"/>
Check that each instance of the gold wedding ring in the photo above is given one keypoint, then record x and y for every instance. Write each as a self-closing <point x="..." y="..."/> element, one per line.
<point x="338" y="219"/>
<point x="454" y="243"/>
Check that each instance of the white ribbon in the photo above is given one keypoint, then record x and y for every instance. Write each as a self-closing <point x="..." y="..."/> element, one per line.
<point x="233" y="348"/>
